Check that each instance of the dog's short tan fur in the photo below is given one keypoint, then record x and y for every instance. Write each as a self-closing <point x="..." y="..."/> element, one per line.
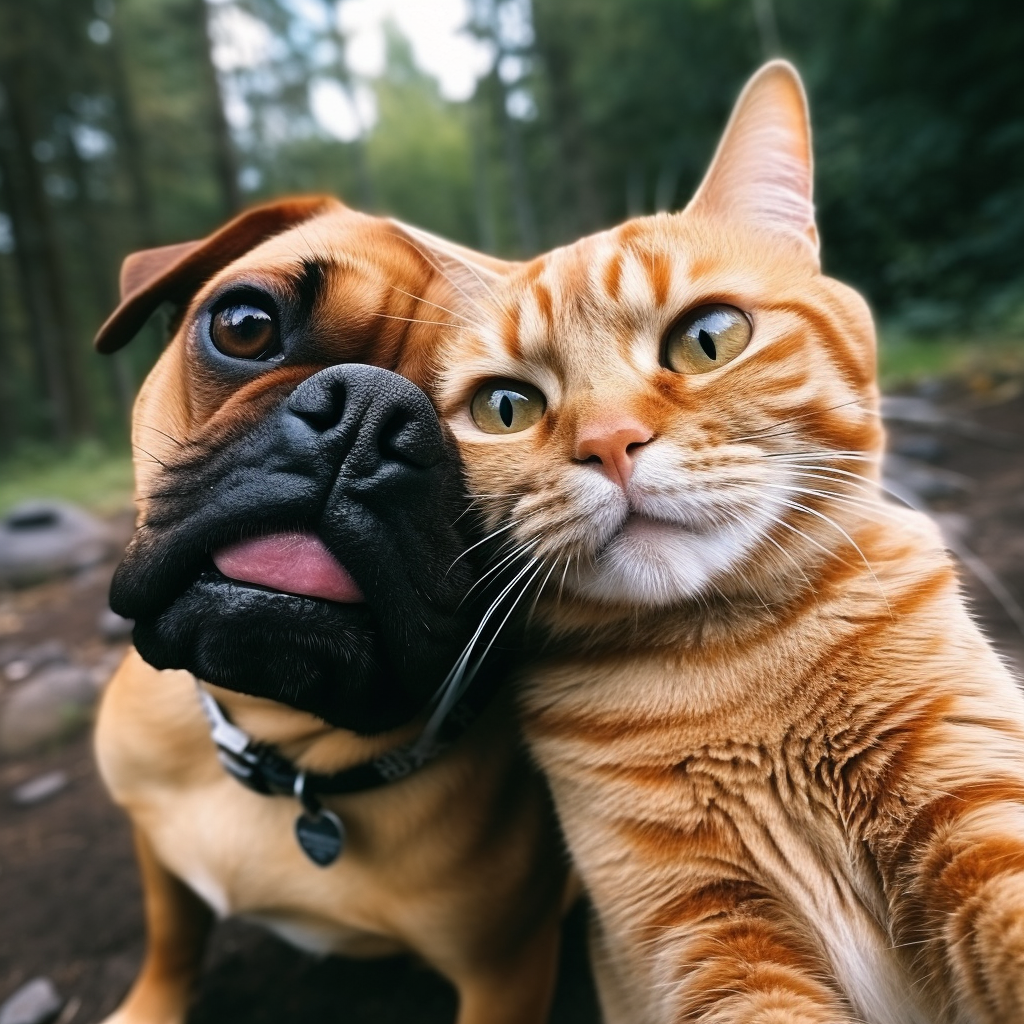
<point x="459" y="863"/>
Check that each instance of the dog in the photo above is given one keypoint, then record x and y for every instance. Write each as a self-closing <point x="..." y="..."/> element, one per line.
<point x="302" y="581"/>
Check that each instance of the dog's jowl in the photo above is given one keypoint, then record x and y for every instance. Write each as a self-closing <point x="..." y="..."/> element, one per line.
<point x="349" y="467"/>
<point x="304" y="579"/>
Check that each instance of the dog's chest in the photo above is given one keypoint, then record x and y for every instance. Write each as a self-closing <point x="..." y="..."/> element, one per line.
<point x="234" y="848"/>
<point x="237" y="850"/>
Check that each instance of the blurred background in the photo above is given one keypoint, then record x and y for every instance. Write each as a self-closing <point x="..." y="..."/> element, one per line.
<point x="511" y="126"/>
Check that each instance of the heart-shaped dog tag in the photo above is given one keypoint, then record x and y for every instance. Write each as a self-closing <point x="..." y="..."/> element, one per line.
<point x="321" y="836"/>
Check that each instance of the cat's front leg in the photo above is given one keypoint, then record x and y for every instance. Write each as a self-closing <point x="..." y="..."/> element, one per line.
<point x="959" y="900"/>
<point x="730" y="954"/>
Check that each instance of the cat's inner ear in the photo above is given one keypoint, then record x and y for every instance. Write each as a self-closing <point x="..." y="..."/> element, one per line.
<point x="471" y="274"/>
<point x="762" y="172"/>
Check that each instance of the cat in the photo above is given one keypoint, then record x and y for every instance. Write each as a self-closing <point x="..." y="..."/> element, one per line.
<point x="788" y="765"/>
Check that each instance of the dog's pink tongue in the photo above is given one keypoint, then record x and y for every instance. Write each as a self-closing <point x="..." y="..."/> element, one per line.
<point x="297" y="563"/>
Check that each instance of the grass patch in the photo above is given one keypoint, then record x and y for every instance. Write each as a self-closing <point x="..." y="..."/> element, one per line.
<point x="904" y="362"/>
<point x="98" y="478"/>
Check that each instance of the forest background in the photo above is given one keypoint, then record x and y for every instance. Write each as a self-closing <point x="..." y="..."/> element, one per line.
<point x="131" y="123"/>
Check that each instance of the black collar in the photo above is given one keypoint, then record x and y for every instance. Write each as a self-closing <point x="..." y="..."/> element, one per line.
<point x="320" y="832"/>
<point x="457" y="704"/>
<point x="261" y="768"/>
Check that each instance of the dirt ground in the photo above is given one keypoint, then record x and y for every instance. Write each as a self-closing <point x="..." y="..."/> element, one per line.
<point x="69" y="900"/>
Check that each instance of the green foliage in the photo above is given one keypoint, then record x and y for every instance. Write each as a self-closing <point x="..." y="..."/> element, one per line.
<point x="650" y="84"/>
<point x="164" y="47"/>
<point x="419" y="152"/>
<point x="906" y="360"/>
<point x="91" y="475"/>
<point x="920" y="144"/>
<point x="919" y="130"/>
<point x="113" y="137"/>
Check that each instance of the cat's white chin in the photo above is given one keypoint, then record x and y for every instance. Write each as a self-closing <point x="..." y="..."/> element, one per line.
<point x="654" y="563"/>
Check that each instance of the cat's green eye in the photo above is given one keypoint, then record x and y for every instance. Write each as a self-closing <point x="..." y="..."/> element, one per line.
<point x="506" y="406"/>
<point x="706" y="338"/>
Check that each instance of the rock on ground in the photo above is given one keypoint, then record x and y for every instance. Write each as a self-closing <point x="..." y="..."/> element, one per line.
<point x="43" y="539"/>
<point x="39" y="788"/>
<point x="50" y="706"/>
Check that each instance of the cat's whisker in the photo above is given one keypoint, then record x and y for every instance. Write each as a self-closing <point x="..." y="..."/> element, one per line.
<point x="473" y="547"/>
<point x="872" y="490"/>
<point x="839" y="476"/>
<point x="834" y="453"/>
<point x="771" y="540"/>
<point x="480" y="503"/>
<point x="417" y="320"/>
<point x="436" y="264"/>
<point x="801" y="417"/>
<point x="855" y="480"/>
<point x="573" y="558"/>
<point x="540" y="590"/>
<point x="735" y="517"/>
<point x="780" y="521"/>
<point x="799" y="568"/>
<point x="522" y="593"/>
<point x="847" y="499"/>
<point x="831" y="522"/>
<point x="459" y="678"/>
<point x="561" y="583"/>
<point x="456" y="674"/>
<point x="518" y="552"/>
<point x="436" y="305"/>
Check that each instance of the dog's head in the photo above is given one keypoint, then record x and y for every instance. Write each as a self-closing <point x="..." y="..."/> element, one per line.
<point x="303" y="532"/>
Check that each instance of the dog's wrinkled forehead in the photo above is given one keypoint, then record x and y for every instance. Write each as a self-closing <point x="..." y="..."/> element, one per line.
<point x="356" y="273"/>
<point x="336" y="286"/>
<point x="351" y="285"/>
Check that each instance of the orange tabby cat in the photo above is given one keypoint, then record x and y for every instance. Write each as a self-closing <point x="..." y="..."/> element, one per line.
<point x="789" y="767"/>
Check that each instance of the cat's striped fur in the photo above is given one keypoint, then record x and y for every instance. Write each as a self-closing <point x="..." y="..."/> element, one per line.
<point x="789" y="767"/>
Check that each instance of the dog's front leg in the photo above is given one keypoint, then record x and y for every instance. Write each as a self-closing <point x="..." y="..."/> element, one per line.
<point x="520" y="990"/>
<point x="177" y="925"/>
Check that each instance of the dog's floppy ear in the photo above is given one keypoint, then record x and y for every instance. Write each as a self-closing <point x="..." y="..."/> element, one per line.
<point x="175" y="272"/>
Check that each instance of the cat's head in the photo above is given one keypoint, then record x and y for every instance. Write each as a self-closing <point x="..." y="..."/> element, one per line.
<point x="684" y="407"/>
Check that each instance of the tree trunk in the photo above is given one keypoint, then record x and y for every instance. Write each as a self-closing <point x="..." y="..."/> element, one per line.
<point x="486" y="226"/>
<point x="9" y="431"/>
<point x="224" y="158"/>
<point x="131" y="146"/>
<point x="37" y="262"/>
<point x="35" y="231"/>
<point x="526" y="222"/>
<point x="555" y="59"/>
<point x="91" y="243"/>
<point x="367" y="192"/>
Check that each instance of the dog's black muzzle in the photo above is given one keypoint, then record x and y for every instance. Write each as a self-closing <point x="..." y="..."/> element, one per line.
<point x="356" y="455"/>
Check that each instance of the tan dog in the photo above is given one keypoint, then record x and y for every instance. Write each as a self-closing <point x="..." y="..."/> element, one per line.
<point x="302" y="543"/>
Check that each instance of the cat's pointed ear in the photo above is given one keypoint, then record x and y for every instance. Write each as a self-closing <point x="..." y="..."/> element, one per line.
<point x="472" y="274"/>
<point x="762" y="172"/>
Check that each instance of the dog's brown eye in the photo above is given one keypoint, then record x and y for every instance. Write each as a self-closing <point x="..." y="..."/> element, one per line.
<point x="243" y="331"/>
<point x="507" y="406"/>
<point x="706" y="338"/>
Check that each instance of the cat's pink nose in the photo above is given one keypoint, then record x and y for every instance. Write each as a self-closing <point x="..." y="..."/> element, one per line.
<point x="612" y="444"/>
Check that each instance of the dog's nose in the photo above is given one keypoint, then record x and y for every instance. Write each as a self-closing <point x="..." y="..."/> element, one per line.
<point x="375" y="416"/>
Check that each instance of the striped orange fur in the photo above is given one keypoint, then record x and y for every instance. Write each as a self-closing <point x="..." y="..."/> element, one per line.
<point x="789" y="767"/>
